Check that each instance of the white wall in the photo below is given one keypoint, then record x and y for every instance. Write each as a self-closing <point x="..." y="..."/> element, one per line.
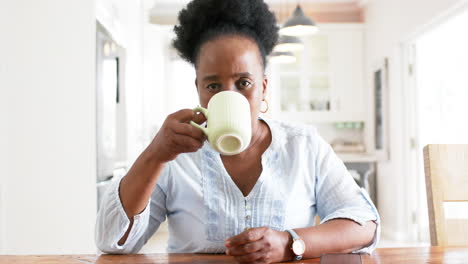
<point x="169" y="82"/>
<point x="388" y="23"/>
<point x="47" y="153"/>
<point x="156" y="73"/>
<point x="4" y="134"/>
<point x="126" y="21"/>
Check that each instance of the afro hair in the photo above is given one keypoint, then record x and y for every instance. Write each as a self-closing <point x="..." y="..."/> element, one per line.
<point x="204" y="20"/>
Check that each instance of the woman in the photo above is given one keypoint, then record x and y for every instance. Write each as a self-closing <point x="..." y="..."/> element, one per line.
<point x="256" y="205"/>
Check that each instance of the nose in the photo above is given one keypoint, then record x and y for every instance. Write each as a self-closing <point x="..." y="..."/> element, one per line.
<point x="229" y="86"/>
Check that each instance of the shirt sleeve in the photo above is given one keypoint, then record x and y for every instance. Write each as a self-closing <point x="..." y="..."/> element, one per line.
<point x="338" y="195"/>
<point x="112" y="221"/>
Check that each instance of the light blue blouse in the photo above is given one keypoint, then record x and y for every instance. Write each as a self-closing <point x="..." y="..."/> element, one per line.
<point x="301" y="177"/>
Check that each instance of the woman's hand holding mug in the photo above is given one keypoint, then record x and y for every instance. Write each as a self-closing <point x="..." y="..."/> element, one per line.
<point x="229" y="129"/>
<point x="177" y="136"/>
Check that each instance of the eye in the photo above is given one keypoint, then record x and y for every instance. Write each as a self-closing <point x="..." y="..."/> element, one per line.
<point x="213" y="86"/>
<point x="244" y="83"/>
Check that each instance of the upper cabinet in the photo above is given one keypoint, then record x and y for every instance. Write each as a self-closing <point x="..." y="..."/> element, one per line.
<point x="325" y="84"/>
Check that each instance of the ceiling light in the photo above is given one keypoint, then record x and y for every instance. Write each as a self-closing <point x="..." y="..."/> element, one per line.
<point x="282" y="57"/>
<point x="299" y="24"/>
<point x="289" y="43"/>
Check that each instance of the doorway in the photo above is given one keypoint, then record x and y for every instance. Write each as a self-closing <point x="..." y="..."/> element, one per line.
<point x="437" y="92"/>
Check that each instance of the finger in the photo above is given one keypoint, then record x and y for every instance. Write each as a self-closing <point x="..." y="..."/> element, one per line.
<point x="245" y="249"/>
<point x="188" y="130"/>
<point x="177" y="149"/>
<point x="185" y="143"/>
<point x="183" y="115"/>
<point x="250" y="235"/>
<point x="252" y="257"/>
<point x="199" y="118"/>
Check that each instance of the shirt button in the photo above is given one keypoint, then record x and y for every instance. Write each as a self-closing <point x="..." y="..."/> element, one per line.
<point x="247" y="206"/>
<point x="247" y="218"/>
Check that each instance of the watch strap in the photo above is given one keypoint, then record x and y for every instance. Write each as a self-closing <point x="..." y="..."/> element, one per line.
<point x="295" y="237"/>
<point x="293" y="234"/>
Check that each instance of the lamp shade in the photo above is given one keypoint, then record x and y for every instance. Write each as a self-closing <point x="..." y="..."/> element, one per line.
<point x="282" y="57"/>
<point x="289" y="43"/>
<point x="298" y="25"/>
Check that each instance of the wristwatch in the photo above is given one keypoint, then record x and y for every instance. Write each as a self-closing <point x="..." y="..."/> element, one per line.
<point x="298" y="245"/>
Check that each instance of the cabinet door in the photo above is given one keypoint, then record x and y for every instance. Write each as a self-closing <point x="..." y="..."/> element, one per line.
<point x="346" y="70"/>
<point x="316" y="72"/>
<point x="325" y="84"/>
<point x="305" y="85"/>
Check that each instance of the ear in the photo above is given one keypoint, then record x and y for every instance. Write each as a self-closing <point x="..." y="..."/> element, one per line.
<point x="196" y="84"/>
<point x="265" y="86"/>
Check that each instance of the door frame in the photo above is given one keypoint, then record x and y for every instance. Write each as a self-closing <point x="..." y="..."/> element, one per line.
<point x="409" y="55"/>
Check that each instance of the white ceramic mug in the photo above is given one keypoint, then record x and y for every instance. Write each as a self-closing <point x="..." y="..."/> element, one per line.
<point x="229" y="127"/>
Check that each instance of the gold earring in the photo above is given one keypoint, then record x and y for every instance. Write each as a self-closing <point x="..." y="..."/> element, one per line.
<point x="266" y="110"/>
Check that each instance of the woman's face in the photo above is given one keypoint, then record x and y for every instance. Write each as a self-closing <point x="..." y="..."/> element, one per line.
<point x="231" y="63"/>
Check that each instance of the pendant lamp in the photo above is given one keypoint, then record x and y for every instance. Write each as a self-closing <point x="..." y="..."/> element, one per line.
<point x="299" y="24"/>
<point x="289" y="43"/>
<point x="282" y="57"/>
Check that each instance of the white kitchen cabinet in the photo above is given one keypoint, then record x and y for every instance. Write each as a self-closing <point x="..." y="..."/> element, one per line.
<point x="326" y="82"/>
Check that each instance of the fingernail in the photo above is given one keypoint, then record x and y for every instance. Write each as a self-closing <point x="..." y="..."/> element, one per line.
<point x="227" y="243"/>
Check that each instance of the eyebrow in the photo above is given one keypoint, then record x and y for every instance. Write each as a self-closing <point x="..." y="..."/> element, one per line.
<point x="215" y="77"/>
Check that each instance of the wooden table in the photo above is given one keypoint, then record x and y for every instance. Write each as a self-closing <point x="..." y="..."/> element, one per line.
<point x="381" y="255"/>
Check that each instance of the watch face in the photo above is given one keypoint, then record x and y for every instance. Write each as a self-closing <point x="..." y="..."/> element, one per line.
<point x="298" y="247"/>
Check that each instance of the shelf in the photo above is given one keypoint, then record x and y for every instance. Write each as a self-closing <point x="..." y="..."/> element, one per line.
<point x="357" y="157"/>
<point x="318" y="117"/>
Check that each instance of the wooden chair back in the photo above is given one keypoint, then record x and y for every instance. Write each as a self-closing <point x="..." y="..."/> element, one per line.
<point x="446" y="170"/>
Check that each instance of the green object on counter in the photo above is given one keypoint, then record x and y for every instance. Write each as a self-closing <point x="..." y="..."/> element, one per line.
<point x="339" y="125"/>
